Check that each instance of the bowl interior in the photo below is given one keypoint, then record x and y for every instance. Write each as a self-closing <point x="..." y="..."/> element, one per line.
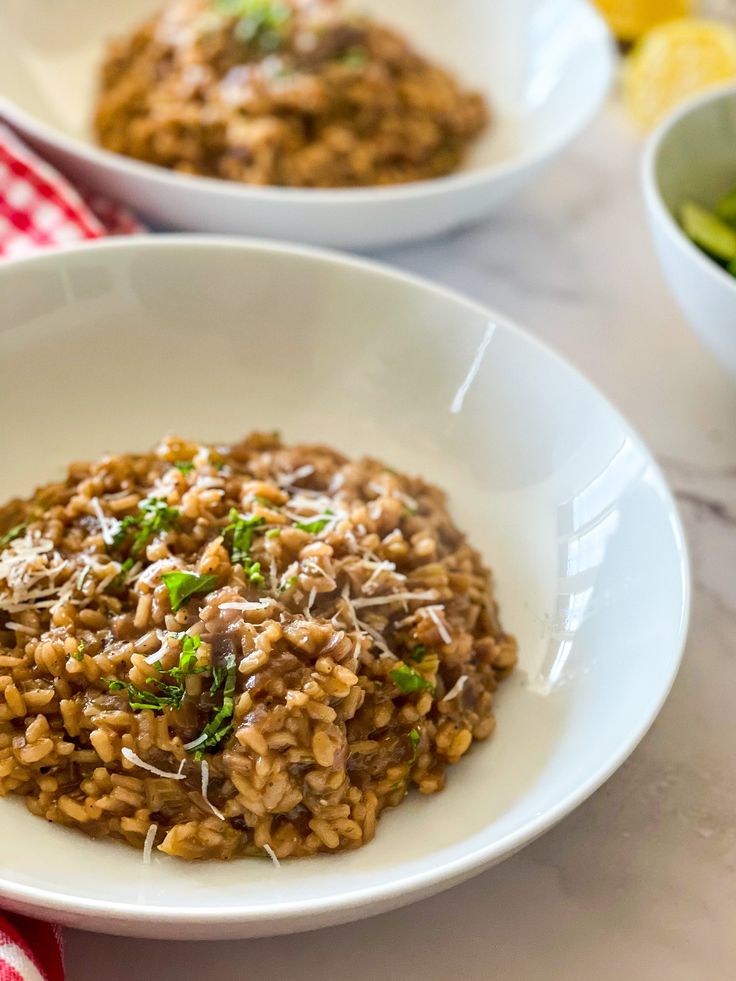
<point x="108" y="347"/>
<point x="543" y="64"/>
<point x="696" y="158"/>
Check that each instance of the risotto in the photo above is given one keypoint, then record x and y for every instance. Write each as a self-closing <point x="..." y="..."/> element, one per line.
<point x="239" y="650"/>
<point x="298" y="93"/>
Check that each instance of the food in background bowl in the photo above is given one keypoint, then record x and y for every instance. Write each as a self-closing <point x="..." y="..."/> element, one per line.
<point x="239" y="649"/>
<point x="713" y="231"/>
<point x="297" y="93"/>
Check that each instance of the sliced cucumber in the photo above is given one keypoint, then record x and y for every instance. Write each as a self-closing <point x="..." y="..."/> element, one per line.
<point x="726" y="207"/>
<point x="708" y="231"/>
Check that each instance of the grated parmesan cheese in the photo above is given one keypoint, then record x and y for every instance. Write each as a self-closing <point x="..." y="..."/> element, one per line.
<point x="165" y="637"/>
<point x="310" y="603"/>
<point x="456" y="688"/>
<point x="205" y="785"/>
<point x="148" y="843"/>
<point x="441" y="628"/>
<point x="196" y="742"/>
<point x="31" y="569"/>
<point x="108" y="526"/>
<point x="132" y="757"/>
<point x="288" y="479"/>
<point x="19" y="627"/>
<point x="272" y="855"/>
<point x="248" y="605"/>
<point x="407" y="597"/>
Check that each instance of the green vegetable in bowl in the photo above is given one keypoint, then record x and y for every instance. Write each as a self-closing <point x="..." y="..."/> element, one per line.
<point x="726" y="207"/>
<point x="713" y="231"/>
<point x="708" y="232"/>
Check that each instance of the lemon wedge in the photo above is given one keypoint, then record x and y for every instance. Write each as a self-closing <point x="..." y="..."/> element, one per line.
<point x="674" y="61"/>
<point x="629" y="19"/>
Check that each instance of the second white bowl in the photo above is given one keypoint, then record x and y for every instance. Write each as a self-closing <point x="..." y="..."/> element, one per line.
<point x="544" y="65"/>
<point x="692" y="156"/>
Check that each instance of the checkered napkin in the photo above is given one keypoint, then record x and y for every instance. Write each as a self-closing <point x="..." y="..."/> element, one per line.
<point x="40" y="208"/>
<point x="29" y="950"/>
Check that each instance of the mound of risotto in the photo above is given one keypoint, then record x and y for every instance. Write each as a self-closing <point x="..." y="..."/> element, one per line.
<point x="239" y="650"/>
<point x="298" y="93"/>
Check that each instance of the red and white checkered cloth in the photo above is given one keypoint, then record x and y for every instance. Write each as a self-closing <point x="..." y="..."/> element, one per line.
<point x="40" y="208"/>
<point x="29" y="950"/>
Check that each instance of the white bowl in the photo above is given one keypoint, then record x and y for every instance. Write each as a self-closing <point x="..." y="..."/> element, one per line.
<point x="692" y="155"/>
<point x="107" y="347"/>
<point x="545" y="65"/>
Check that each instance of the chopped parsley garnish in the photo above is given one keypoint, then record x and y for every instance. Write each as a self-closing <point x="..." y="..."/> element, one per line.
<point x="240" y="535"/>
<point x="182" y="585"/>
<point x="287" y="583"/>
<point x="418" y="653"/>
<point x="155" y="516"/>
<point x="78" y="654"/>
<point x="220" y="725"/>
<point x="266" y="502"/>
<point x="414" y="740"/>
<point x="122" y="577"/>
<point x="273" y="533"/>
<point x="164" y="693"/>
<point x="259" y="21"/>
<point x="354" y="58"/>
<point x="316" y="526"/>
<point x="15" y="532"/>
<point x="185" y="466"/>
<point x="408" y="680"/>
<point x="188" y="663"/>
<point x="167" y="696"/>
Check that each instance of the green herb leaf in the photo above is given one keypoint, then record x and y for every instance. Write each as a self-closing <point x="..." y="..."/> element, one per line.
<point x="259" y="21"/>
<point x="287" y="583"/>
<point x="219" y="726"/>
<point x="266" y="502"/>
<point x="122" y="577"/>
<point x="185" y="466"/>
<point x="414" y="738"/>
<point x="188" y="662"/>
<point x="408" y="680"/>
<point x="418" y="653"/>
<point x="314" y="527"/>
<point x="78" y="655"/>
<point x="273" y="533"/>
<point x="354" y="58"/>
<point x="182" y="585"/>
<point x="15" y="532"/>
<point x="155" y="517"/>
<point x="240" y="534"/>
<point x="167" y="696"/>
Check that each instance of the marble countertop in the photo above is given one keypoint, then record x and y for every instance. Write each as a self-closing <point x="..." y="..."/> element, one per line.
<point x="640" y="882"/>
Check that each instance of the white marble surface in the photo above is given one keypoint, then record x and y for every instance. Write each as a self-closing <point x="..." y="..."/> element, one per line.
<point x="640" y="882"/>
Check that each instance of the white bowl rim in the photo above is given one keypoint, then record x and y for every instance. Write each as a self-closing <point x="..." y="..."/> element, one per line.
<point x="424" y="189"/>
<point x="652" y="193"/>
<point x="437" y="878"/>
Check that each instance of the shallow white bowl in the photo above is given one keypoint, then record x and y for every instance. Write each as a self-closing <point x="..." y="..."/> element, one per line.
<point x="692" y="155"/>
<point x="545" y="66"/>
<point x="107" y="347"/>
